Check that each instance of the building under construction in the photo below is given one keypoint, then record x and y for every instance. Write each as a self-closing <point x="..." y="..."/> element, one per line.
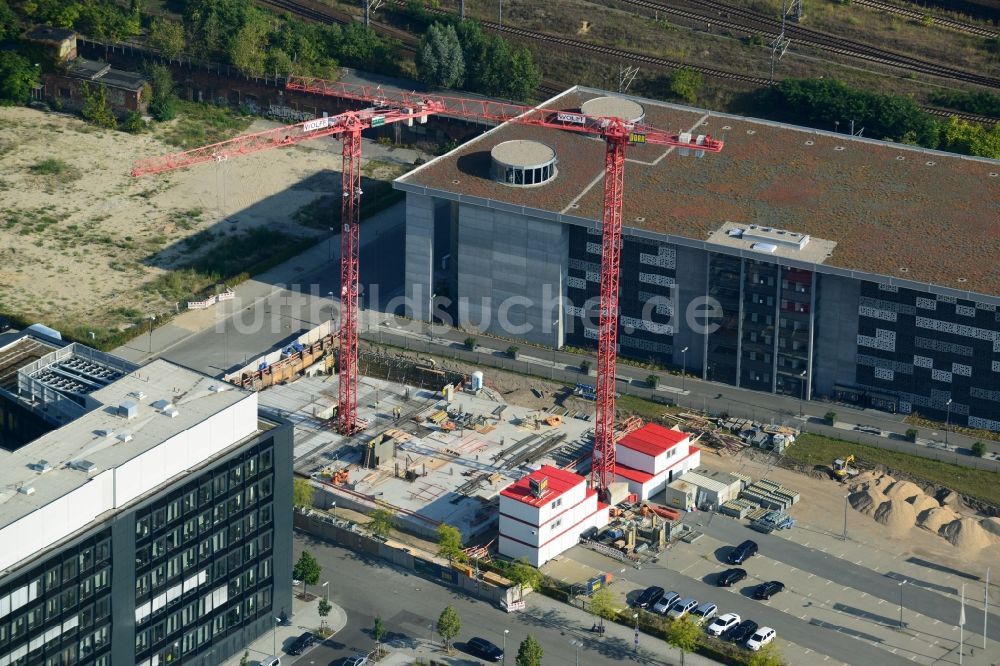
<point x="797" y="261"/>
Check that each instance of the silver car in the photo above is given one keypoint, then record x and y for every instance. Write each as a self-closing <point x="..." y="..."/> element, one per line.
<point x="682" y="608"/>
<point x="705" y="612"/>
<point x="665" y="602"/>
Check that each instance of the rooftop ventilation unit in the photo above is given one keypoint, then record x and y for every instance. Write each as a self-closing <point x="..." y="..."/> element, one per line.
<point x="26" y="490"/>
<point x="735" y="233"/>
<point x="171" y="411"/>
<point x="83" y="465"/>
<point x="764" y="247"/>
<point x="162" y="405"/>
<point x="538" y="486"/>
<point x="138" y="395"/>
<point x="216" y="388"/>
<point x="128" y="409"/>
<point x="124" y="436"/>
<point x="42" y="466"/>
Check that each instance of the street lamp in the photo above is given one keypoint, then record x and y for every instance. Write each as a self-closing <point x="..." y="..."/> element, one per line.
<point x="504" y="657"/>
<point x="329" y="246"/>
<point x="577" y="645"/>
<point x="152" y="318"/>
<point x="802" y="392"/>
<point x="947" y="422"/>
<point x="901" y="583"/>
<point x="327" y="586"/>
<point x="844" y="537"/>
<point x="684" y="363"/>
<point x="636" y="617"/>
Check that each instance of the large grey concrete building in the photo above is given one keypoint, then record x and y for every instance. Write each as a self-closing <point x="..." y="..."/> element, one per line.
<point x="145" y="512"/>
<point x="796" y="261"/>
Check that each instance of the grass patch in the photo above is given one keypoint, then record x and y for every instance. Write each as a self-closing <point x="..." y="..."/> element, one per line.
<point x="55" y="169"/>
<point x="250" y="252"/>
<point x="324" y="212"/>
<point x="645" y="409"/>
<point x="202" y="124"/>
<point x="814" y="450"/>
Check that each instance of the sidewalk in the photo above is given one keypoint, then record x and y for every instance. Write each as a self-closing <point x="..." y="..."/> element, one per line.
<point x="305" y="617"/>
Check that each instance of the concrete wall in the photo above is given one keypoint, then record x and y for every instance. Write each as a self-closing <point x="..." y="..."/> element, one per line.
<point x="511" y="270"/>
<point x="836" y="333"/>
<point x="418" y="271"/>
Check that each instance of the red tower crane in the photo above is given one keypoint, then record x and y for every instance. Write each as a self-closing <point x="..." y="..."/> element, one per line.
<point x="617" y="134"/>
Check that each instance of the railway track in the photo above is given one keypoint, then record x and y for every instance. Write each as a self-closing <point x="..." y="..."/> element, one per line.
<point x="938" y="20"/>
<point x="550" y="88"/>
<point x="749" y="21"/>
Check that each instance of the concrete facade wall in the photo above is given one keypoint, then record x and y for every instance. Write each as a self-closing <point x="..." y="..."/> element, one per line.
<point x="692" y="283"/>
<point x="418" y="270"/>
<point x="836" y="342"/>
<point x="511" y="272"/>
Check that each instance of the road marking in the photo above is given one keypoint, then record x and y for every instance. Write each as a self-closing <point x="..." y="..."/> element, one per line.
<point x="785" y="611"/>
<point x="893" y="650"/>
<point x="811" y="575"/>
<point x="826" y="658"/>
<point x="880" y="601"/>
<point x="806" y="543"/>
<point x="936" y="621"/>
<point x="829" y="581"/>
<point x="808" y="650"/>
<point x="845" y="588"/>
<point x="864" y="594"/>
<point x="858" y="562"/>
<point x="802" y="617"/>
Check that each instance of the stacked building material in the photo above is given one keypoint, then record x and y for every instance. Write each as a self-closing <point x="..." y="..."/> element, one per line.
<point x="737" y="508"/>
<point x="770" y="495"/>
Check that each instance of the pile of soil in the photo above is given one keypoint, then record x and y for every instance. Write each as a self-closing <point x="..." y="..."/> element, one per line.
<point x="991" y="525"/>
<point x="922" y="503"/>
<point x="904" y="490"/>
<point x="934" y="519"/>
<point x="967" y="534"/>
<point x="897" y="515"/>
<point x="867" y="501"/>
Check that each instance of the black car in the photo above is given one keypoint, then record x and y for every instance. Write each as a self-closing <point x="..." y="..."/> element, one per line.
<point x="741" y="632"/>
<point x="742" y="552"/>
<point x="483" y="649"/>
<point x="649" y="597"/>
<point x="731" y="577"/>
<point x="768" y="590"/>
<point x="302" y="643"/>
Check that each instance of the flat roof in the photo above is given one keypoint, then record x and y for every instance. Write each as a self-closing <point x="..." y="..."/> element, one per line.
<point x="653" y="439"/>
<point x="107" y="440"/>
<point x="710" y="479"/>
<point x="912" y="214"/>
<point x="559" y="481"/>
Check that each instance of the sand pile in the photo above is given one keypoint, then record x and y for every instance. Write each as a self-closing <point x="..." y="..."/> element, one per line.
<point x="862" y="481"/>
<point x="967" y="534"/>
<point x="923" y="503"/>
<point x="896" y="514"/>
<point x="951" y="499"/>
<point x="904" y="490"/>
<point x="934" y="519"/>
<point x="991" y="525"/>
<point x="867" y="501"/>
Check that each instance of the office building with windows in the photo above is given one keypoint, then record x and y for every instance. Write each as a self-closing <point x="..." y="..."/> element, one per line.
<point x="144" y="511"/>
<point x="796" y="261"/>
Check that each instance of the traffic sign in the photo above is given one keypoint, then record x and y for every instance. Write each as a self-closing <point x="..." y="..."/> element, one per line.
<point x="377" y="121"/>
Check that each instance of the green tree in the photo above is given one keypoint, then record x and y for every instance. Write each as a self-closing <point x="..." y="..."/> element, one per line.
<point x="971" y="139"/>
<point x="378" y="633"/>
<point x="684" y="635"/>
<point x="382" y="523"/>
<point x="167" y="37"/>
<point x="10" y="25"/>
<point x="440" y="62"/>
<point x="307" y="569"/>
<point x="979" y="449"/>
<point x="448" y="626"/>
<point x="685" y="84"/>
<point x="323" y="608"/>
<point x="450" y="543"/>
<point x="603" y="605"/>
<point x="302" y="493"/>
<point x="766" y="656"/>
<point x="524" y="575"/>
<point x="245" y="659"/>
<point x="133" y="123"/>
<point x="17" y="78"/>
<point x="278" y="63"/>
<point x="529" y="653"/>
<point x="524" y="75"/>
<point x="652" y="381"/>
<point x="248" y="49"/>
<point x="95" y="108"/>
<point x="163" y="104"/>
<point x="471" y="343"/>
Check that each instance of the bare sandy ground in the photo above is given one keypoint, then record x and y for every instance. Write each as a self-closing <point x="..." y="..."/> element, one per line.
<point x="79" y="246"/>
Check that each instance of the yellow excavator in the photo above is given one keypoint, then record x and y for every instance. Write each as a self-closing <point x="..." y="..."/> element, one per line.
<point x="842" y="470"/>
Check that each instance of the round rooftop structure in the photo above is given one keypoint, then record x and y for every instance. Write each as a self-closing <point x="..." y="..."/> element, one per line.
<point x="522" y="162"/>
<point x="614" y="107"/>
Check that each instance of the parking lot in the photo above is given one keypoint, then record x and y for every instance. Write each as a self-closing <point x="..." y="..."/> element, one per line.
<point x="818" y="609"/>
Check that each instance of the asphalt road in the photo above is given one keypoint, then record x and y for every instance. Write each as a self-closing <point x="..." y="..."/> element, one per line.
<point x="410" y="605"/>
<point x="841" y="571"/>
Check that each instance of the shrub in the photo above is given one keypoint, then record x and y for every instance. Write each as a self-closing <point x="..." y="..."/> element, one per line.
<point x="979" y="449"/>
<point x="585" y="367"/>
<point x="512" y="351"/>
<point x="830" y="417"/>
<point x="652" y="381"/>
<point x="471" y="343"/>
<point x="911" y="434"/>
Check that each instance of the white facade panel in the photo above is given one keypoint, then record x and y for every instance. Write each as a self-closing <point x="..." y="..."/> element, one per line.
<point x="554" y="507"/>
<point x="634" y="459"/>
<point x="518" y="509"/>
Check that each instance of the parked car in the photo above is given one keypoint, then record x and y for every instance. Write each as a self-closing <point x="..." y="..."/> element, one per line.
<point x="649" y="597"/>
<point x="723" y="623"/>
<point x="731" y="577"/>
<point x="665" y="602"/>
<point x="483" y="649"/>
<point x="768" y="589"/>
<point x="270" y="661"/>
<point x="742" y="552"/>
<point x="682" y="608"/>
<point x="741" y="632"/>
<point x="302" y="643"/>
<point x="760" y="638"/>
<point x="357" y="660"/>
<point x="704" y="612"/>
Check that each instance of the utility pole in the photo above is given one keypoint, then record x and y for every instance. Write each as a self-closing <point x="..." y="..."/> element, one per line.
<point x="844" y="537"/>
<point x="461" y="10"/>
